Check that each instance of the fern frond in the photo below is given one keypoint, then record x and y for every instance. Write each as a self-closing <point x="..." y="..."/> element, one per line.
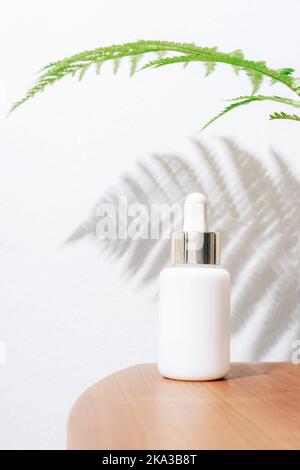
<point x="283" y="115"/>
<point x="188" y="52"/>
<point x="277" y="99"/>
<point x="226" y="110"/>
<point x="243" y="100"/>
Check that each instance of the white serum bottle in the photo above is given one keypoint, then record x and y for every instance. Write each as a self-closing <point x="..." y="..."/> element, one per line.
<point x="194" y="302"/>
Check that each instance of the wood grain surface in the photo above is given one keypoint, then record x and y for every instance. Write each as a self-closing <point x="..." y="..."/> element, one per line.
<point x="257" y="406"/>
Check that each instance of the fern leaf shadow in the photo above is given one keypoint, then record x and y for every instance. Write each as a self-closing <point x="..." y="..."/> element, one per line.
<point x="260" y="231"/>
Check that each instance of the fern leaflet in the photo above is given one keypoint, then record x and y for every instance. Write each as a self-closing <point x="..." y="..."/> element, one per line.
<point x="283" y="115"/>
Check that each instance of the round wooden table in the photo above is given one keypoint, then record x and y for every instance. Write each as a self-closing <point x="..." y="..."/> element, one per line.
<point x="257" y="406"/>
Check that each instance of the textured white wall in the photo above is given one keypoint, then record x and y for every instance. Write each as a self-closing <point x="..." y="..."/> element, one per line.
<point x="67" y="316"/>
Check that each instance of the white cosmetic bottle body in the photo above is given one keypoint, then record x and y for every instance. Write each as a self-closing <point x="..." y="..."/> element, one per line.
<point x="194" y="322"/>
<point x="194" y="304"/>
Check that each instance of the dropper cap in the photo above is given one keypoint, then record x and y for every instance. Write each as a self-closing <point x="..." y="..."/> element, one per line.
<point x="195" y="218"/>
<point x="195" y="244"/>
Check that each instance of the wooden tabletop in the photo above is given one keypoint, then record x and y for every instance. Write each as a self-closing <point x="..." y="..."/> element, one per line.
<point x="257" y="406"/>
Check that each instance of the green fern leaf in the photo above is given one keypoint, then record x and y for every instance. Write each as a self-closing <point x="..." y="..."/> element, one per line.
<point x="116" y="65"/>
<point x="98" y="67"/>
<point x="161" y="54"/>
<point x="286" y="71"/>
<point x="210" y="67"/>
<point x="226" y="110"/>
<point x="256" y="79"/>
<point x="243" y="100"/>
<point x="156" y="63"/>
<point x="240" y="55"/>
<point x="283" y="115"/>
<point x="277" y="99"/>
<point x="134" y="61"/>
<point x="83" y="72"/>
<point x="188" y="52"/>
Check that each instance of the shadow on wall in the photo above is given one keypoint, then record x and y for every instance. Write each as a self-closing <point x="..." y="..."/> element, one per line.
<point x="254" y="207"/>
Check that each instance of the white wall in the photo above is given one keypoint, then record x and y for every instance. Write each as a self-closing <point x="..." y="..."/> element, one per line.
<point x="67" y="316"/>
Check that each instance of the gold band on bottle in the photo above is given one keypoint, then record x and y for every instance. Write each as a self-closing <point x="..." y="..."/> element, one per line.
<point x="195" y="248"/>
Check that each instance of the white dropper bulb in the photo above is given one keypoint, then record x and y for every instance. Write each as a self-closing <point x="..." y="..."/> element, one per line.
<point x="194" y="219"/>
